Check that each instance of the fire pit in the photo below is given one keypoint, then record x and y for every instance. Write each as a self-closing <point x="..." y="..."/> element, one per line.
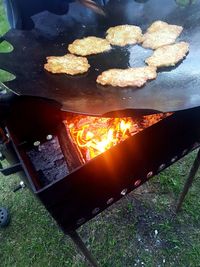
<point x="74" y="175"/>
<point x="75" y="180"/>
<point x="94" y="135"/>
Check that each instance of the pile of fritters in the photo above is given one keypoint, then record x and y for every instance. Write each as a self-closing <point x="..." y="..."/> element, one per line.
<point x="160" y="37"/>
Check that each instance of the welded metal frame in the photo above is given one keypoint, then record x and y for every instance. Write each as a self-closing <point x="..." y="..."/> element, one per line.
<point x="129" y="170"/>
<point x="94" y="186"/>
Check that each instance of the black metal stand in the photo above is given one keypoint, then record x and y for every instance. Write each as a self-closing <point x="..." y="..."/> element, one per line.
<point x="81" y="246"/>
<point x="189" y="181"/>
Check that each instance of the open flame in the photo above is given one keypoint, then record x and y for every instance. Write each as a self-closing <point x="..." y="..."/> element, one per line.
<point x="94" y="135"/>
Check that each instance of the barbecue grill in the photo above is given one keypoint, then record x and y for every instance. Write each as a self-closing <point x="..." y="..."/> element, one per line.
<point x="44" y="116"/>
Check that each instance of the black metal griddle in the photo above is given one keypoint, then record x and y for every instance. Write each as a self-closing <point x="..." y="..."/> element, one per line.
<point x="175" y="88"/>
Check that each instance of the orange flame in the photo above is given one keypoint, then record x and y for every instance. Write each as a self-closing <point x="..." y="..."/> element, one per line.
<point x="95" y="135"/>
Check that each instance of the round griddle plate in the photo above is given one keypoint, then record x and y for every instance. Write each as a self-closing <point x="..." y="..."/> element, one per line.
<point x="175" y="88"/>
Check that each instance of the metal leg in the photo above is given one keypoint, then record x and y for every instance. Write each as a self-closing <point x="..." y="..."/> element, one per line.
<point x="80" y="244"/>
<point x="189" y="181"/>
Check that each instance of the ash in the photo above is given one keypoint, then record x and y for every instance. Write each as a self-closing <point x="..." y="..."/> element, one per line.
<point x="48" y="160"/>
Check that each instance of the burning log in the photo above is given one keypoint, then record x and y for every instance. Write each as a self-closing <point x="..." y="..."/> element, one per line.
<point x="94" y="135"/>
<point x="70" y="150"/>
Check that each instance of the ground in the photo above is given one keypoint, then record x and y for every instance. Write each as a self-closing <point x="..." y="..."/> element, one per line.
<point x="139" y="230"/>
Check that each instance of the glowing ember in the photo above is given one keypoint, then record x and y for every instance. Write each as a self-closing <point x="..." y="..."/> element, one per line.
<point x="95" y="135"/>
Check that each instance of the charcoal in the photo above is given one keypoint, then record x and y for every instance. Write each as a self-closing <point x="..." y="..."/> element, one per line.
<point x="48" y="160"/>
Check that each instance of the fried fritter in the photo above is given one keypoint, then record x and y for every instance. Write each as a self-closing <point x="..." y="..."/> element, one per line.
<point x="89" y="46"/>
<point x="135" y="77"/>
<point x="159" y="34"/>
<point x="124" y="35"/>
<point x="68" y="64"/>
<point x="168" y="55"/>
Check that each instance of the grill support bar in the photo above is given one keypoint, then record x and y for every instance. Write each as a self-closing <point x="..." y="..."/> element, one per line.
<point x="189" y="181"/>
<point x="82" y="247"/>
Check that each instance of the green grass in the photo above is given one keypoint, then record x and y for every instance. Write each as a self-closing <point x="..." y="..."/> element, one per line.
<point x="3" y="22"/>
<point x="4" y="47"/>
<point x="122" y="236"/>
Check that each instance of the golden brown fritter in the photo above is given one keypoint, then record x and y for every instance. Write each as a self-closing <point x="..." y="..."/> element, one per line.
<point x="68" y="64"/>
<point x="135" y="77"/>
<point x="159" y="34"/>
<point x="168" y="55"/>
<point x="89" y="46"/>
<point x="124" y="35"/>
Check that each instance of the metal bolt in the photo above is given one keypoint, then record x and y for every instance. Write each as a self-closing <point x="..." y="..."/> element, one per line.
<point x="80" y="221"/>
<point x="123" y="193"/>
<point x="174" y="159"/>
<point x="137" y="183"/>
<point x="49" y="137"/>
<point x="184" y="152"/>
<point x="95" y="211"/>
<point x="149" y="175"/>
<point x="110" y="200"/>
<point x="36" y="143"/>
<point x="162" y="166"/>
